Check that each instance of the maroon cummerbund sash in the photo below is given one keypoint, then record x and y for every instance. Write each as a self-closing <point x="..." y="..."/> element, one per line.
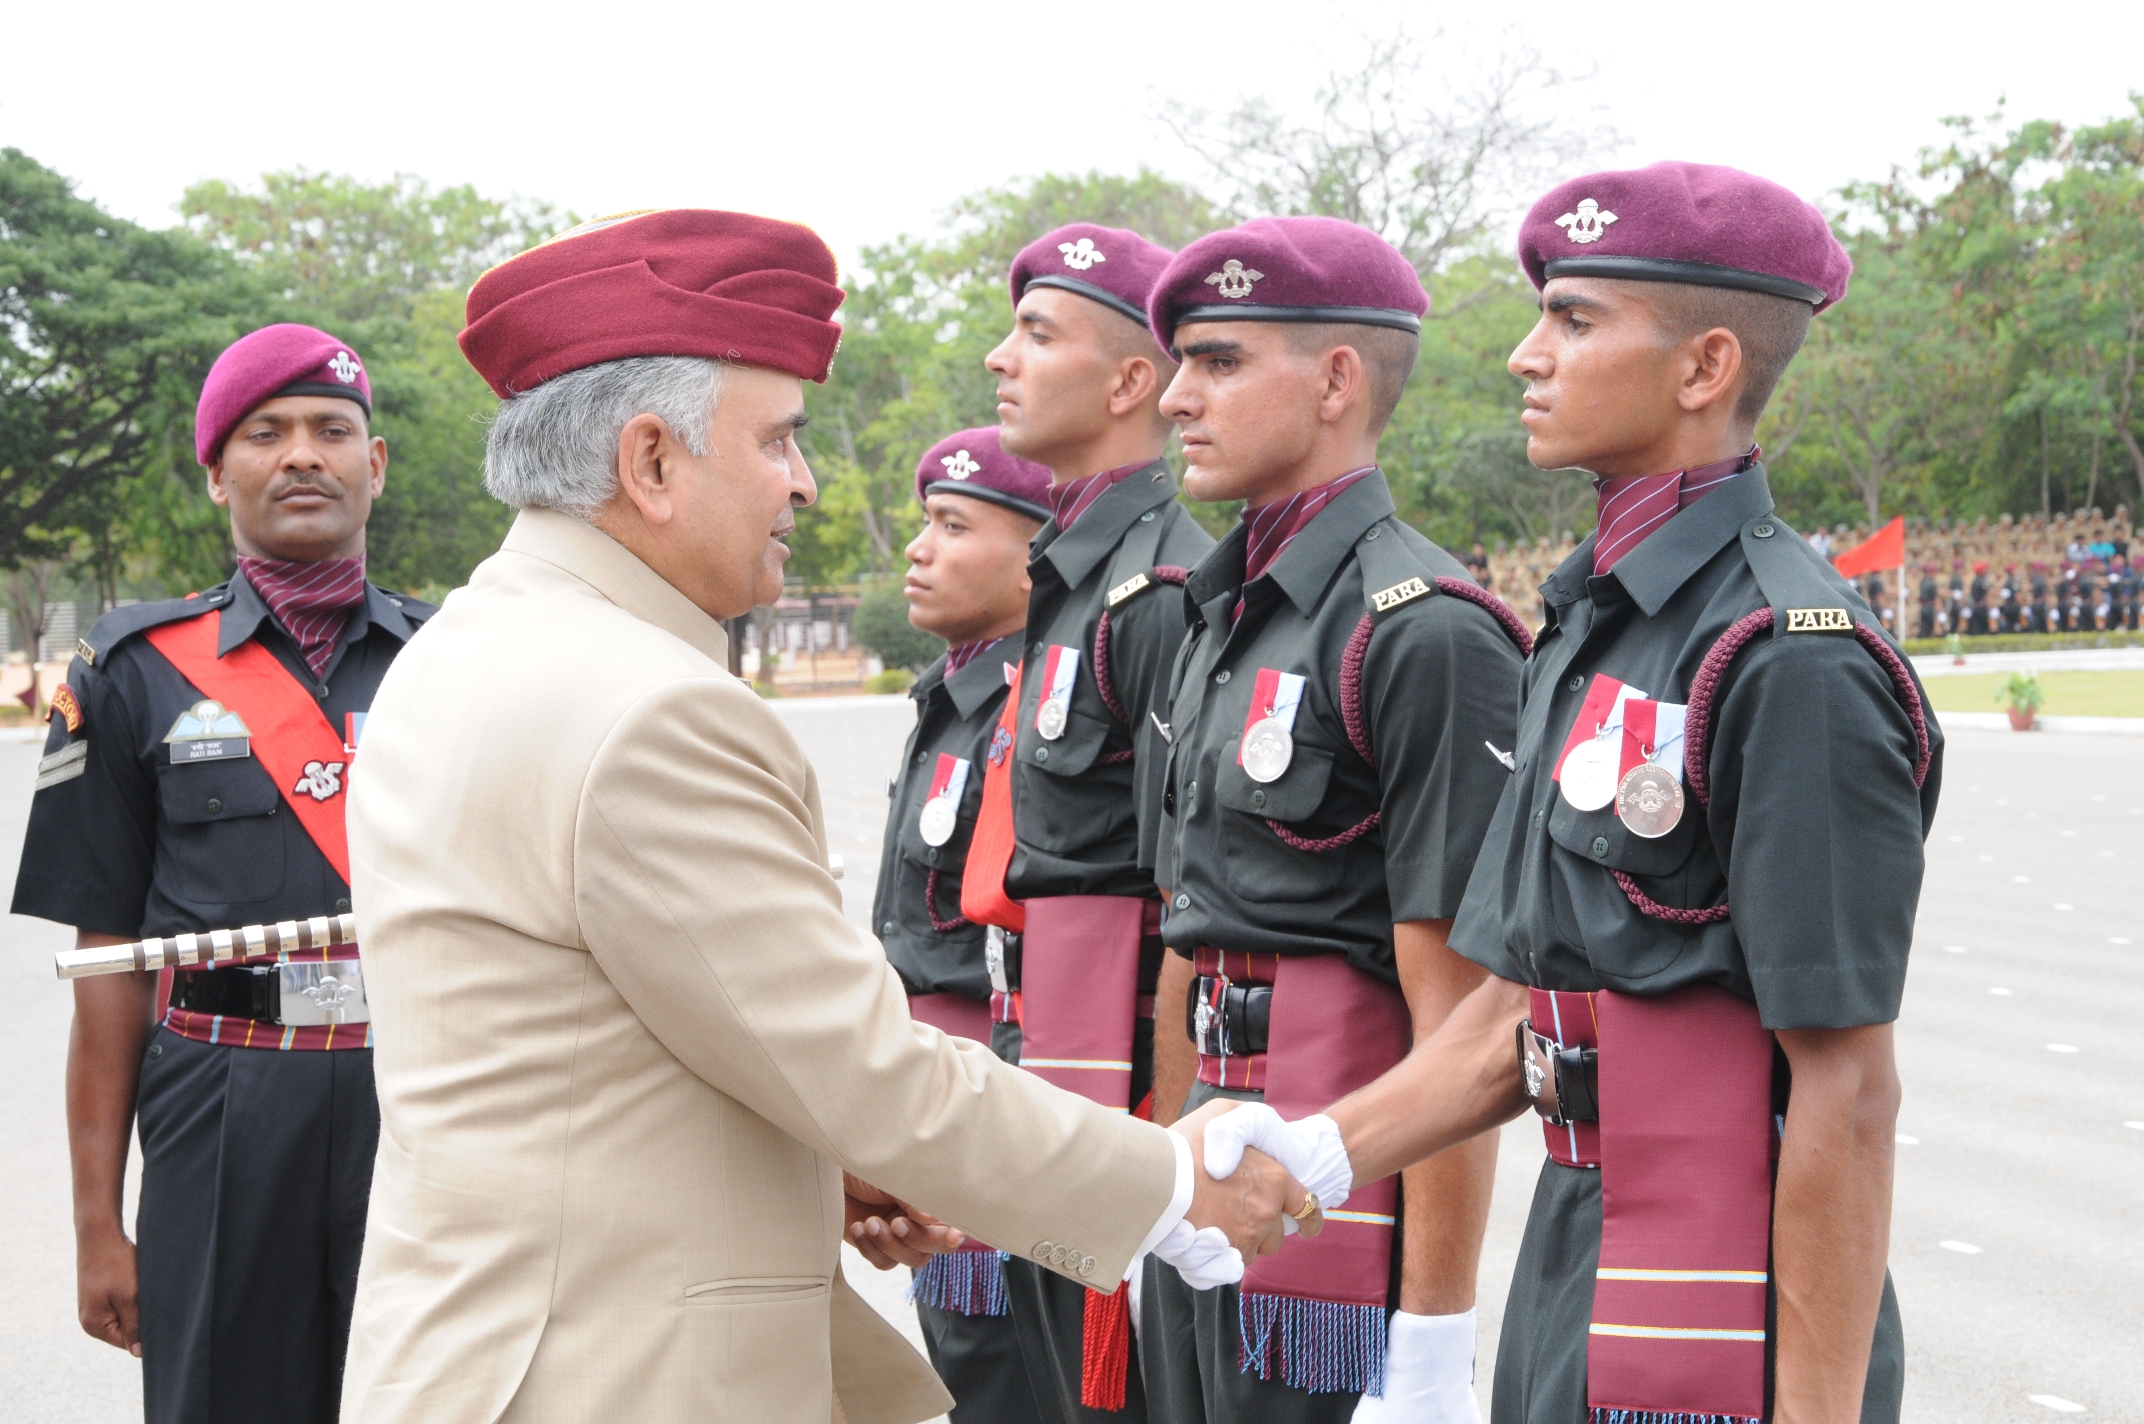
<point x="1221" y="968"/>
<point x="1313" y="1316"/>
<point x="1079" y="991"/>
<point x="1685" y="1147"/>
<point x="956" y="1014"/>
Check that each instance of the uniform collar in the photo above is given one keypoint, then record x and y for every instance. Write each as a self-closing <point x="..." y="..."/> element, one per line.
<point x="614" y="571"/>
<point x="1651" y="573"/>
<point x="1097" y="532"/>
<point x="244" y="610"/>
<point x="983" y="677"/>
<point x="1306" y="567"/>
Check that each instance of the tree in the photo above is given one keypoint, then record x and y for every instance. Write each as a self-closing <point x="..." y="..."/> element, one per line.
<point x="882" y="626"/>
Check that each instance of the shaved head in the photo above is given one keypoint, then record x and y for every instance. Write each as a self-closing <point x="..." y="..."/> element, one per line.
<point x="1771" y="330"/>
<point x="1387" y="355"/>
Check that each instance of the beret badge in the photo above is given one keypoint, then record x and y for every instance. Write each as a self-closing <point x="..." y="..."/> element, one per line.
<point x="1234" y="279"/>
<point x="1588" y="224"/>
<point x="346" y="367"/>
<point x="1081" y="255"/>
<point x="960" y="465"/>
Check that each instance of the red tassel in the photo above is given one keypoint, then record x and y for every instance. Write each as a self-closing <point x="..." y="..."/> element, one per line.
<point x="1105" y="1349"/>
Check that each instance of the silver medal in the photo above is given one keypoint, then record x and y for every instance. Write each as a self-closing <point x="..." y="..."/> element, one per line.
<point x="1267" y="750"/>
<point x="1589" y="773"/>
<point x="937" y="820"/>
<point x="1649" y="801"/>
<point x="1050" y="721"/>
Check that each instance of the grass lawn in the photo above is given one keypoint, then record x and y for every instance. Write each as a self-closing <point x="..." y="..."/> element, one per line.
<point x="2069" y="694"/>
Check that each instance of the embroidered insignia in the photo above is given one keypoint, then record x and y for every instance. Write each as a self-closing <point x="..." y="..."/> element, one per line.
<point x="1081" y="255"/>
<point x="85" y="652"/>
<point x="1234" y="279"/>
<point x="346" y="368"/>
<point x="321" y="780"/>
<point x="206" y="721"/>
<point x="1399" y="593"/>
<point x="65" y="704"/>
<point x="1127" y="588"/>
<point x="959" y="465"/>
<point x="1819" y="620"/>
<point x="65" y="764"/>
<point x="1588" y="224"/>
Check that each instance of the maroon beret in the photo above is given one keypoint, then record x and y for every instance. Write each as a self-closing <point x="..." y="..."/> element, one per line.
<point x="675" y="282"/>
<point x="1288" y="269"/>
<point x="281" y="360"/>
<point x="1111" y="265"/>
<point x="1686" y="222"/>
<point x="973" y="463"/>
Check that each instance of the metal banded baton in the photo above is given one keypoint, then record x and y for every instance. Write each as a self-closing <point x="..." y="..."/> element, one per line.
<point x="246" y="945"/>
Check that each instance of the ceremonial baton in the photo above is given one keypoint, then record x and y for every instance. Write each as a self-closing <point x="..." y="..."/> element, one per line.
<point x="245" y="945"/>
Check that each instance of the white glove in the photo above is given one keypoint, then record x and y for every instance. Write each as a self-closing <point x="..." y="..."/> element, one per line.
<point x="1429" y="1373"/>
<point x="1202" y="1256"/>
<point x="1310" y="1148"/>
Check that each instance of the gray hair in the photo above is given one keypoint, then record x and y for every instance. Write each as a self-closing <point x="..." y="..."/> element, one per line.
<point x="556" y="446"/>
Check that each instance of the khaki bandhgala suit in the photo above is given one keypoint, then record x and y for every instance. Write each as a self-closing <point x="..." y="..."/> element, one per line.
<point x="626" y="1039"/>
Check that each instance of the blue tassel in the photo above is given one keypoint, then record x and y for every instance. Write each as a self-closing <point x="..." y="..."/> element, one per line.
<point x="1316" y="1345"/>
<point x="963" y="1283"/>
<point x="1656" y="1416"/>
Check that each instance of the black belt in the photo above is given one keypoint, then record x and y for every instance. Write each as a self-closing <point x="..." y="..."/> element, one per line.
<point x="1230" y="1023"/>
<point x="243" y="993"/>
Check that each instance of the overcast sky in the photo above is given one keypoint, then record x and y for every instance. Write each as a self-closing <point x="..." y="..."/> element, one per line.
<point x="865" y="121"/>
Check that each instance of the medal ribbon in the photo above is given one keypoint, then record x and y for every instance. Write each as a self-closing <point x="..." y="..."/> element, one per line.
<point x="1059" y="667"/>
<point x="1276" y="695"/>
<point x="1652" y="731"/>
<point x="950" y="778"/>
<point x="1600" y="713"/>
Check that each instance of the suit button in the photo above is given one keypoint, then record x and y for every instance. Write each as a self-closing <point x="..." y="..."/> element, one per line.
<point x="1086" y="1265"/>
<point x="1600" y="847"/>
<point x="1058" y="1254"/>
<point x="1042" y="754"/>
<point x="1041" y="1251"/>
<point x="1183" y="902"/>
<point x="215" y="805"/>
<point x="1577" y="682"/>
<point x="1258" y="799"/>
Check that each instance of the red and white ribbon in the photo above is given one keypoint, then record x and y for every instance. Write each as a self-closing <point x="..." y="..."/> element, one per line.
<point x="1275" y="695"/>
<point x="950" y="778"/>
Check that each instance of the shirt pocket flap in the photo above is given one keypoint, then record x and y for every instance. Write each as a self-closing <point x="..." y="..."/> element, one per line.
<point x="1294" y="795"/>
<point x="192" y="795"/>
<point x="1071" y="753"/>
<point x="1601" y="837"/>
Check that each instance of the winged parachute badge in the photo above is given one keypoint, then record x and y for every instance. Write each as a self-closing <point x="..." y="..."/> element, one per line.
<point x="1588" y="224"/>
<point x="1234" y="279"/>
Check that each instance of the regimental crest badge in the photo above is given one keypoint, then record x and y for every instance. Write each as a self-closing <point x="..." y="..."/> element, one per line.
<point x="959" y="465"/>
<point x="1588" y="223"/>
<point x="1234" y="279"/>
<point x="67" y="707"/>
<point x="1819" y="620"/>
<point x="1081" y="255"/>
<point x="207" y="721"/>
<point x="346" y="368"/>
<point x="321" y="780"/>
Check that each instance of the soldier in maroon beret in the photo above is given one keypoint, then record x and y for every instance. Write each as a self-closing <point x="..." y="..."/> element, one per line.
<point x="1334" y="718"/>
<point x="1697" y="899"/>
<point x="1078" y="381"/>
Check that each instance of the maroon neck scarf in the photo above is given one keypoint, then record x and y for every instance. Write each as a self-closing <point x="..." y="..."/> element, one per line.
<point x="1274" y="526"/>
<point x="312" y="601"/>
<point x="1633" y="506"/>
<point x="1075" y="497"/>
<point x="960" y="657"/>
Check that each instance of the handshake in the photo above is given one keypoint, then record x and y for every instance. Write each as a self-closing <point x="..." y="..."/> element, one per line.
<point x="1257" y="1179"/>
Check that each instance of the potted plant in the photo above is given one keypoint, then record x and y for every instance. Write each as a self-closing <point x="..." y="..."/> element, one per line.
<point x="2022" y="691"/>
<point x="1955" y="645"/>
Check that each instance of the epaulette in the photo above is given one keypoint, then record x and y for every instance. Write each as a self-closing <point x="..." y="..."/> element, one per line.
<point x="115" y="627"/>
<point x="1806" y="593"/>
<point x="1394" y="573"/>
<point x="416" y="610"/>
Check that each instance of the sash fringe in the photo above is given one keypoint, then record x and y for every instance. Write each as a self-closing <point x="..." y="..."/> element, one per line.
<point x="963" y="1283"/>
<point x="1105" y="1350"/>
<point x="1316" y="1345"/>
<point x="1655" y="1416"/>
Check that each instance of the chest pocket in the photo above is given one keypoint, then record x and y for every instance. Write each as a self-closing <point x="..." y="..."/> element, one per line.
<point x="1261" y="866"/>
<point x="223" y="832"/>
<point x="1064" y="814"/>
<point x="1072" y="753"/>
<point x="1601" y="838"/>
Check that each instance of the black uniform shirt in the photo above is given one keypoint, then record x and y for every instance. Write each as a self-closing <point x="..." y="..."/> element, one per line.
<point x="123" y="842"/>
<point x="956" y="716"/>
<point x="1814" y="817"/>
<point x="1440" y="682"/>
<point x="1076" y="822"/>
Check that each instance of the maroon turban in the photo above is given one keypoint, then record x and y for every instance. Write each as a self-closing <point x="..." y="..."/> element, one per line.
<point x="1110" y="265"/>
<point x="281" y="360"/>
<point x="1686" y="222"/>
<point x="1288" y="269"/>
<point x="973" y="463"/>
<point x="676" y="282"/>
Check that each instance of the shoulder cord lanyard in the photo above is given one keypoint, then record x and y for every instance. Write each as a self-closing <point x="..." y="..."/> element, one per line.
<point x="1162" y="573"/>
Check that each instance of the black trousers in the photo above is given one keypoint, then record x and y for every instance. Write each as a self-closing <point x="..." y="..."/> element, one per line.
<point x="978" y="1357"/>
<point x="1049" y="1311"/>
<point x="256" y="1166"/>
<point x="1191" y="1346"/>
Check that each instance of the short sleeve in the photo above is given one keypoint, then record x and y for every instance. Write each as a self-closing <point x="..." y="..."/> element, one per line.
<point x="1816" y="815"/>
<point x="1440" y="684"/>
<point x="90" y="845"/>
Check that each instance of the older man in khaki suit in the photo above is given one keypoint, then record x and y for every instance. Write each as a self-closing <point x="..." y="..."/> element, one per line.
<point x="626" y="1041"/>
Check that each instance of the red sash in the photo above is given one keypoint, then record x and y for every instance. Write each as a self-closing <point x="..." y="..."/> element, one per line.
<point x="288" y="727"/>
<point x="982" y="883"/>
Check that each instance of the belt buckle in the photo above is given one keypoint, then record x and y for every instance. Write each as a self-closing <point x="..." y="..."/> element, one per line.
<point x="316" y="993"/>
<point x="1209" y="1019"/>
<point x="1537" y="1072"/>
<point x="997" y="958"/>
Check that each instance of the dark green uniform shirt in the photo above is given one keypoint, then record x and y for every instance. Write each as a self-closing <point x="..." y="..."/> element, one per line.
<point x="1439" y="685"/>
<point x="1076" y="815"/>
<point x="956" y="716"/>
<point x="1814" y="836"/>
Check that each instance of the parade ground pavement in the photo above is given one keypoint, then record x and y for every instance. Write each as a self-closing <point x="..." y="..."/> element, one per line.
<point x="2018" y="1236"/>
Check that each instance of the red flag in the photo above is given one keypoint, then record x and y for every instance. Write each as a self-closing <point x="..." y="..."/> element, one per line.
<point x="1885" y="549"/>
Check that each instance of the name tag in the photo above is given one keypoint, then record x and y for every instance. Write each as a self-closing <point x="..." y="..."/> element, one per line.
<point x="1398" y="594"/>
<point x="1819" y="620"/>
<point x="223" y="749"/>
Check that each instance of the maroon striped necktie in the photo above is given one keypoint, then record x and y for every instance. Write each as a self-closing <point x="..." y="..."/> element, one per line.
<point x="311" y="600"/>
<point x="1075" y="497"/>
<point x="1633" y="506"/>
<point x="1272" y="527"/>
